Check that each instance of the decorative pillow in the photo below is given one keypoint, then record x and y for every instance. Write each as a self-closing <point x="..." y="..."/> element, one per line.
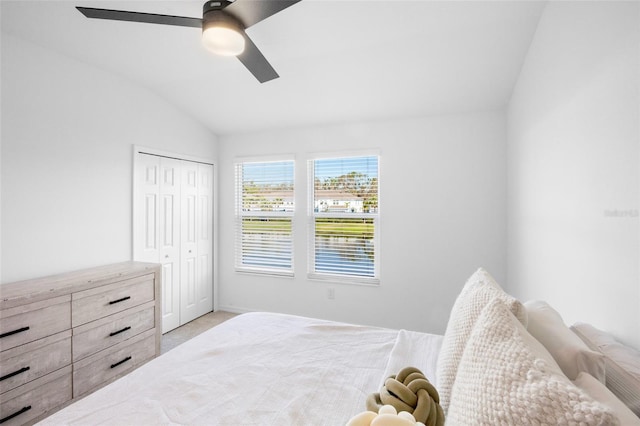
<point x="506" y="378"/>
<point x="600" y="393"/>
<point x="622" y="364"/>
<point x="570" y="352"/>
<point x="479" y="290"/>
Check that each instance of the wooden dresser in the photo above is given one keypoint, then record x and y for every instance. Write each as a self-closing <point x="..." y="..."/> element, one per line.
<point x="64" y="336"/>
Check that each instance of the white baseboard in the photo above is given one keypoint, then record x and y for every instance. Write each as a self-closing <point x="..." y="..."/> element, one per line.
<point x="235" y="309"/>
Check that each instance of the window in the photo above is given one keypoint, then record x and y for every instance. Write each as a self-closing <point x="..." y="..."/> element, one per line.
<point x="343" y="240"/>
<point x="264" y="217"/>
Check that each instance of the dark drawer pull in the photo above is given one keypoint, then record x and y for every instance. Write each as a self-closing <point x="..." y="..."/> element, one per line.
<point x="119" y="300"/>
<point x="10" y="333"/>
<point x="119" y="331"/>
<point x="121" y="362"/>
<point x="15" y="373"/>
<point x="17" y="413"/>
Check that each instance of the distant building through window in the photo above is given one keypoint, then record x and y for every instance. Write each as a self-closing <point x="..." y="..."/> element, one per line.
<point x="343" y="234"/>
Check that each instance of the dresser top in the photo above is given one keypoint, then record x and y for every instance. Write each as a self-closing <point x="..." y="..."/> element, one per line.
<point x="37" y="289"/>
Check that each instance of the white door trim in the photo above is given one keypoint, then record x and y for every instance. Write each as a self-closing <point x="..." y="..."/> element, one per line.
<point x="139" y="149"/>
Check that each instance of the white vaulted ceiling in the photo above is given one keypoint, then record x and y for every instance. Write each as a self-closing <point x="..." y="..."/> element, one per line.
<point x="339" y="61"/>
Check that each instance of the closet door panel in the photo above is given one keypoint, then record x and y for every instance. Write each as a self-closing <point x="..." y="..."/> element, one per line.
<point x="205" y="239"/>
<point x="169" y="253"/>
<point x="188" y="237"/>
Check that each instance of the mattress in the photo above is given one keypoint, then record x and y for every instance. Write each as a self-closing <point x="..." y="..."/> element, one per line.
<point x="260" y="369"/>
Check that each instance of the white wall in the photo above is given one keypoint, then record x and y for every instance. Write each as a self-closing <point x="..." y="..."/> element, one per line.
<point x="573" y="180"/>
<point x="67" y="136"/>
<point x="443" y="214"/>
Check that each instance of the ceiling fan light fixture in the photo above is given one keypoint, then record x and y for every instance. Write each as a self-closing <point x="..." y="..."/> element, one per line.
<point x="223" y="27"/>
<point x="222" y="36"/>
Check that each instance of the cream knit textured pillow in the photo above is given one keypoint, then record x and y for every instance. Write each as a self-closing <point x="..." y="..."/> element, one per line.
<point x="506" y="377"/>
<point x="479" y="290"/>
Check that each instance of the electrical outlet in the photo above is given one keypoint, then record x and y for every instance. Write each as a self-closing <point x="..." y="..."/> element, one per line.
<point x="331" y="293"/>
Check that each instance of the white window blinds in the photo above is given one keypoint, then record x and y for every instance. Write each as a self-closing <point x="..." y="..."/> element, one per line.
<point x="264" y="217"/>
<point x="343" y="240"/>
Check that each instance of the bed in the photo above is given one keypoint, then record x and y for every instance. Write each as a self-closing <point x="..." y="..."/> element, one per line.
<point x="500" y="361"/>
<point x="259" y="369"/>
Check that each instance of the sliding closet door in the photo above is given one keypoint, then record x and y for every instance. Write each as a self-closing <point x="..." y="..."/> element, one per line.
<point x="169" y="209"/>
<point x="190" y="223"/>
<point x="196" y="263"/>
<point x="157" y="227"/>
<point x="204" y="239"/>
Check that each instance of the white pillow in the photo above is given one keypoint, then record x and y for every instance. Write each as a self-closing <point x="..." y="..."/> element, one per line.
<point x="622" y="364"/>
<point x="600" y="393"/>
<point x="506" y="378"/>
<point x="479" y="290"/>
<point x="569" y="351"/>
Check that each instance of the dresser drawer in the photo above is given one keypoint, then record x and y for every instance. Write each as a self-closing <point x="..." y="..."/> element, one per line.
<point x="90" y="305"/>
<point x="28" y="362"/>
<point x="99" y="369"/>
<point x="26" y="323"/>
<point x="32" y="400"/>
<point x="103" y="333"/>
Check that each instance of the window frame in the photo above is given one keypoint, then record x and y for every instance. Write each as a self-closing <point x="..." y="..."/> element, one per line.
<point x="241" y="214"/>
<point x="312" y="273"/>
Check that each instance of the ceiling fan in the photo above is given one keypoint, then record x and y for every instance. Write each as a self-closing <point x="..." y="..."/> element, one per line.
<point x="223" y="27"/>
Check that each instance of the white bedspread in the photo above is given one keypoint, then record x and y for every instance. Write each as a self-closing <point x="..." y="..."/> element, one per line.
<point x="259" y="369"/>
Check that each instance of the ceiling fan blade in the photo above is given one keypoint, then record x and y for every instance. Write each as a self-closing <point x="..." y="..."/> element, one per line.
<point x="255" y="62"/>
<point x="250" y="12"/>
<point x="149" y="18"/>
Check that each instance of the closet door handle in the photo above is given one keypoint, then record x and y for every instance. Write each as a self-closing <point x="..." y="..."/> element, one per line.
<point x="10" y="333"/>
<point x="120" y="362"/>
<point x="119" y="331"/>
<point x="15" y="373"/>
<point x="17" y="413"/>
<point x="113" y="302"/>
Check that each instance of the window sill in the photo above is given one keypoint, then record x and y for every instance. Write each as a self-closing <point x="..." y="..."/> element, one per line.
<point x="262" y="272"/>
<point x="342" y="279"/>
